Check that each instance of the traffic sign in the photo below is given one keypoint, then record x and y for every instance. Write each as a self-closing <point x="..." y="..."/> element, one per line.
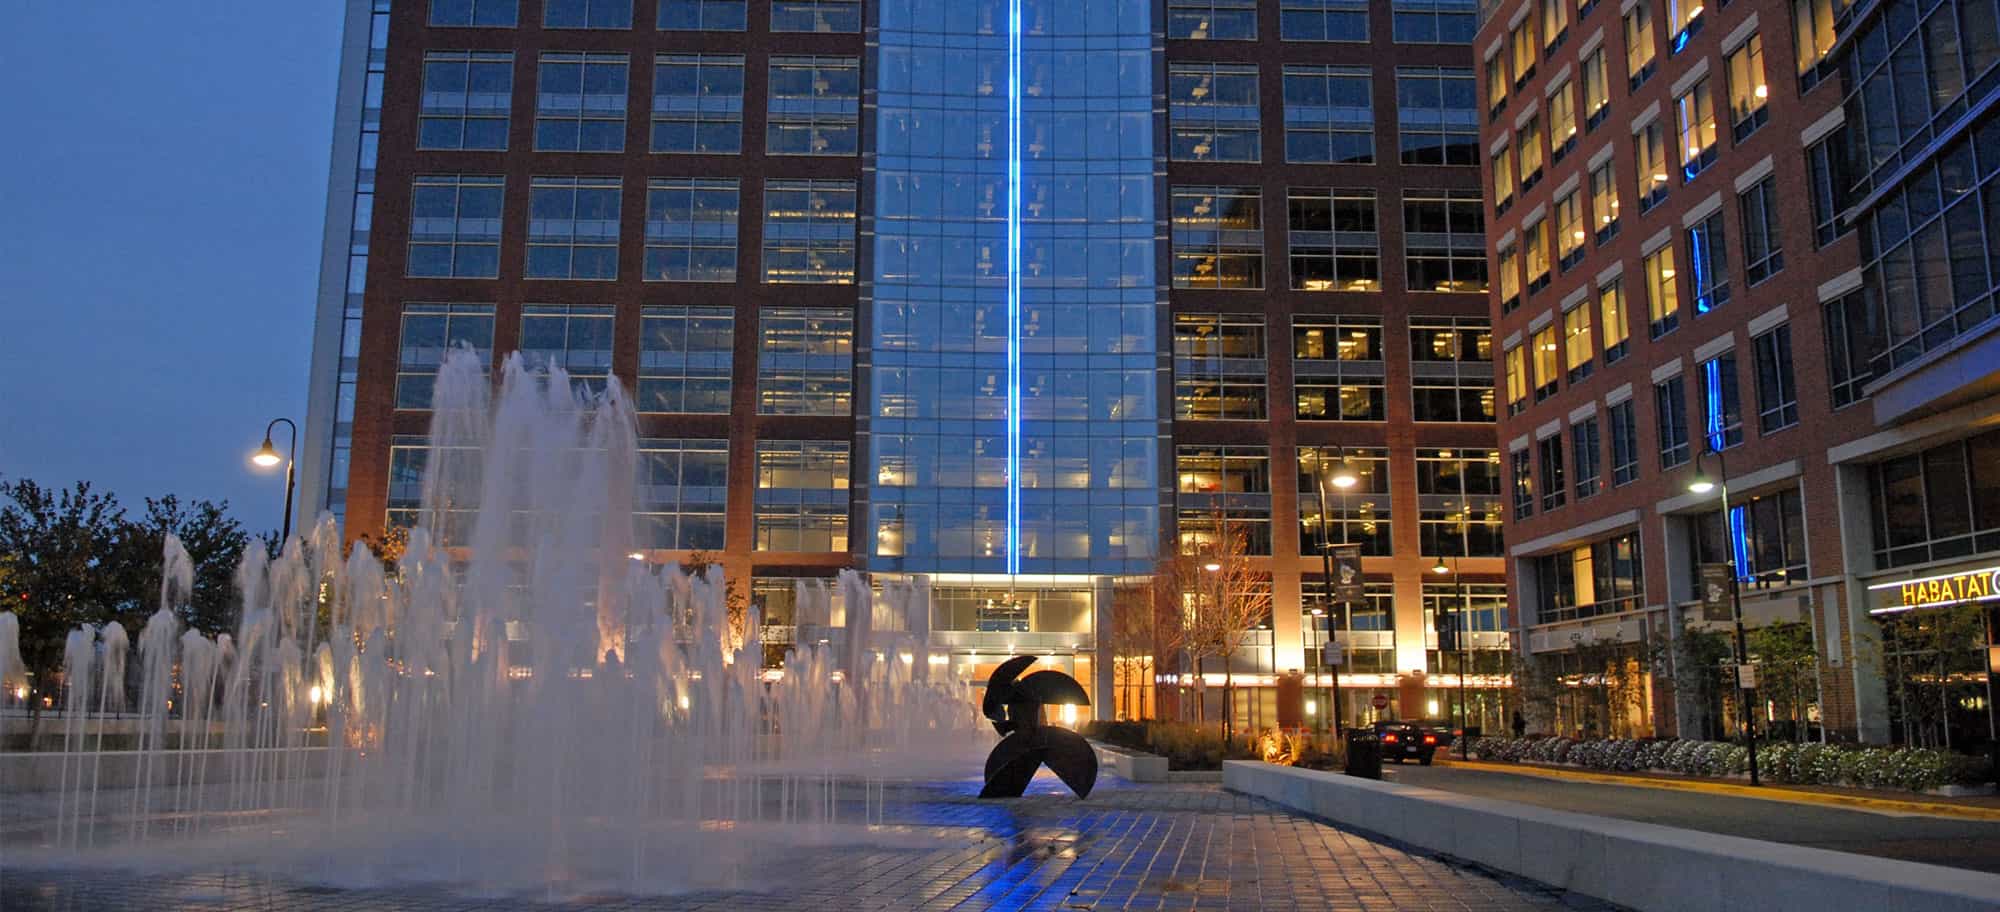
<point x="1380" y="702"/>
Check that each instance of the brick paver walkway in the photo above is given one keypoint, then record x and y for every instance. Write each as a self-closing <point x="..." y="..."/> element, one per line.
<point x="1156" y="847"/>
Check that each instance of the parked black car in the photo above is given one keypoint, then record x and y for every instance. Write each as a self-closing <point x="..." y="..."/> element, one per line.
<point x="1446" y="732"/>
<point x="1403" y="741"/>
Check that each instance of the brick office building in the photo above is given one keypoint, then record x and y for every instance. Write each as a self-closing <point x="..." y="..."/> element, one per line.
<point x="924" y="288"/>
<point x="1676" y="276"/>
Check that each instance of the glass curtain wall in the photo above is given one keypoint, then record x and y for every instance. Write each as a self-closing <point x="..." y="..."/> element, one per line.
<point x="1013" y="305"/>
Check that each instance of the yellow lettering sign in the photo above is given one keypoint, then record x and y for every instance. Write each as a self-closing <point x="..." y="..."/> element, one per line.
<point x="1962" y="587"/>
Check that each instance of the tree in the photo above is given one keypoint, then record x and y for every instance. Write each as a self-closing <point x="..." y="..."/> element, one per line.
<point x="214" y="543"/>
<point x="62" y="551"/>
<point x="1146" y="630"/>
<point x="1787" y="671"/>
<point x="1225" y="596"/>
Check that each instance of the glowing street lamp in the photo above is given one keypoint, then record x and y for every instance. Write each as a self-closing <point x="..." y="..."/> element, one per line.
<point x="267" y="457"/>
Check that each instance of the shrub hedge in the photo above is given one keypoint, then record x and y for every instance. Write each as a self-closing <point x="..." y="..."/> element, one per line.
<point x="1916" y="769"/>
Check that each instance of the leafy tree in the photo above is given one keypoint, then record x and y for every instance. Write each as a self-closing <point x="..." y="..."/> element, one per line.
<point x="62" y="551"/>
<point x="214" y="543"/>
<point x="1787" y="670"/>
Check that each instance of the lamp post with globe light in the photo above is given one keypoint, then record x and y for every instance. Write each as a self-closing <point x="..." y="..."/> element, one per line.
<point x="1343" y="477"/>
<point x="1702" y="484"/>
<point x="267" y="457"/>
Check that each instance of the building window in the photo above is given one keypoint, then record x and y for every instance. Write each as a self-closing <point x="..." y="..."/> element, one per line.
<point x="1585" y="444"/>
<point x="474" y="13"/>
<point x="1812" y="39"/>
<point x="1435" y="21"/>
<point x="580" y="103"/>
<point x="698" y="104"/>
<point x="815" y="106"/>
<point x="1624" y="444"/>
<point x="1223" y="491"/>
<point x="1854" y="342"/>
<point x="703" y="15"/>
<point x="1537" y="242"/>
<point x="573" y="228"/>
<point x="1218" y="237"/>
<point x="685" y="356"/>
<point x="1510" y="278"/>
<point x="1578" y="350"/>
<point x="809" y="232"/>
<point x="467" y="97"/>
<point x="802" y="495"/>
<point x="683" y="489"/>
<point x="825" y="16"/>
<point x="1569" y="230"/>
<point x="1777" y="394"/>
<point x="1596" y="89"/>
<point x="587" y="14"/>
<point x="1331" y="239"/>
<point x="1458" y="499"/>
<point x="1829" y="179"/>
<point x="1663" y="297"/>
<point x="575" y="338"/>
<point x="455" y="226"/>
<point x="805" y="362"/>
<point x="1604" y="201"/>
<point x="1721" y="413"/>
<point x="1768" y="541"/>
<point x="1529" y="140"/>
<point x="1219" y="366"/>
<point x="1496" y="85"/>
<point x="1640" y="50"/>
<point x="1562" y="121"/>
<point x="1329" y="117"/>
<point x="1212" y="20"/>
<point x="1555" y="22"/>
<point x="1337" y="367"/>
<point x="1358" y="515"/>
<point x="1548" y="373"/>
<point x="1517" y="381"/>
<point x="1670" y="416"/>
<point x="429" y="333"/>
<point x="1603" y="577"/>
<point x="1684" y="21"/>
<point x="1747" y="91"/>
<point x="691" y="229"/>
<point x="1708" y="256"/>
<point x="1479" y="608"/>
<point x="1763" y="252"/>
<point x="1503" y="180"/>
<point x="1555" y="489"/>
<point x="1451" y="367"/>
<point x="1649" y="146"/>
<point x="1616" y="329"/>
<point x="1323" y="20"/>
<point x="1521" y="43"/>
<point x="1214" y="111"/>
<point x="1524" y="484"/>
<point x="1937" y="504"/>
<point x="1444" y="241"/>
<point x="1436" y="115"/>
<point x="409" y="458"/>
<point x="1695" y="112"/>
<point x="1363" y="630"/>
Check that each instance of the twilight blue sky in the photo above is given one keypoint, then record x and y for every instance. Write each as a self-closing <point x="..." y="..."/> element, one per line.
<point x="160" y="211"/>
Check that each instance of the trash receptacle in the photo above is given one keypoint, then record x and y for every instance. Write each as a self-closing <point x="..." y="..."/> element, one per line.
<point x="1364" y="754"/>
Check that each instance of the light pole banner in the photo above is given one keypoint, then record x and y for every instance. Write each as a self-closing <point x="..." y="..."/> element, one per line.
<point x="1715" y="582"/>
<point x="1347" y="585"/>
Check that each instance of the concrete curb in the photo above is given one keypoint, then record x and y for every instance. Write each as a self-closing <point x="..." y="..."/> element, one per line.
<point x="1641" y="865"/>
<point x="1131" y="766"/>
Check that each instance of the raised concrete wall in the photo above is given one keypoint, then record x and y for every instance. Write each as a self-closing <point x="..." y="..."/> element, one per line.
<point x="40" y="771"/>
<point x="1131" y="766"/>
<point x="1641" y="865"/>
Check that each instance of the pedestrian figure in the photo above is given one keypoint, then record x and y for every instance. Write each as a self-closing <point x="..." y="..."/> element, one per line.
<point x="1520" y="725"/>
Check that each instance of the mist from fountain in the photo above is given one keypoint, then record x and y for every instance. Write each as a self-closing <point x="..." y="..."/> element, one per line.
<point x="517" y="705"/>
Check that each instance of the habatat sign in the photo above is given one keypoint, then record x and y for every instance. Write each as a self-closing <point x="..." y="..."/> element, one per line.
<point x="1970" y="586"/>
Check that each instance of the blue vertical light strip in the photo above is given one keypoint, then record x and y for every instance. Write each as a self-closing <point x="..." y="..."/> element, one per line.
<point x="1739" y="542"/>
<point x="1013" y="286"/>
<point x="1711" y="381"/>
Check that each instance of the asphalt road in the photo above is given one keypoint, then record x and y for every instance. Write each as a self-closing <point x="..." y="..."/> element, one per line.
<point x="1947" y="841"/>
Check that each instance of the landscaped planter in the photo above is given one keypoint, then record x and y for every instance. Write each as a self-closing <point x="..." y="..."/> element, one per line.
<point x="1902" y="769"/>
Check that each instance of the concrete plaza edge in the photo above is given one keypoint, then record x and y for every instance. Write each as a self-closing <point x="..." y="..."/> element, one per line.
<point x="1642" y="865"/>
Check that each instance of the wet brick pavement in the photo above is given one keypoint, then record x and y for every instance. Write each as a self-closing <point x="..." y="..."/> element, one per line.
<point x="1154" y="847"/>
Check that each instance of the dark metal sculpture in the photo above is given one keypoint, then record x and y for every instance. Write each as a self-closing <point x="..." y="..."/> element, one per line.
<point x="1027" y="740"/>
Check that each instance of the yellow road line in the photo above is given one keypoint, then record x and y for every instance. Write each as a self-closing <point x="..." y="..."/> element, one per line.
<point x="1766" y="793"/>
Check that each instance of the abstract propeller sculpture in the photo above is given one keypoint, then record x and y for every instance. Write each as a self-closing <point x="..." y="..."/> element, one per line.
<point x="1028" y="741"/>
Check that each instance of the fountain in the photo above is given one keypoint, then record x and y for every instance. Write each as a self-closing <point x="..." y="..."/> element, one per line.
<point x="516" y="706"/>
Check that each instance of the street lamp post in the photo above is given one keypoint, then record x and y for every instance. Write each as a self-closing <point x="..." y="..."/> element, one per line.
<point x="267" y="456"/>
<point x="1702" y="484"/>
<point x="1343" y="478"/>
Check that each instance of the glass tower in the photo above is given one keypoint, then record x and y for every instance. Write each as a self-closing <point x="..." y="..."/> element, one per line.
<point x="1012" y="308"/>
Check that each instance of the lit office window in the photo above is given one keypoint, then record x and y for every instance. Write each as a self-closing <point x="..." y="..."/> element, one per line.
<point x="1212" y="20"/>
<point x="1337" y="368"/>
<point x="1212" y="111"/>
<point x="1708" y="256"/>
<point x="1747" y="90"/>
<point x="815" y="106"/>
<point x="1451" y="368"/>
<point x="825" y="16"/>
<point x="805" y="362"/>
<point x="1219" y="366"/>
<point x="1444" y="240"/>
<point x="1332" y="240"/>
<point x="1218" y="237"/>
<point x="1604" y="201"/>
<point x="1611" y="310"/>
<point x="1569" y="230"/>
<point x="1641" y="50"/>
<point x="802" y="495"/>
<point x="1562" y="121"/>
<point x="1547" y="358"/>
<point x="1694" y="109"/>
<point x="1650" y="151"/>
<point x="1579" y="350"/>
<point x="1223" y="491"/>
<point x="809" y="232"/>
<point x="1663" y="298"/>
<point x="1458" y="498"/>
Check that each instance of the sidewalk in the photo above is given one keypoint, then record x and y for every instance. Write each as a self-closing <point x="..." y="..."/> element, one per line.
<point x="1977" y="807"/>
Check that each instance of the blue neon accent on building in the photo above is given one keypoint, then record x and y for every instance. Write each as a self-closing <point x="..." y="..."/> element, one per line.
<point x="1739" y="541"/>
<point x="1711" y="382"/>
<point x="1698" y="241"/>
<point x="1013" y="286"/>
